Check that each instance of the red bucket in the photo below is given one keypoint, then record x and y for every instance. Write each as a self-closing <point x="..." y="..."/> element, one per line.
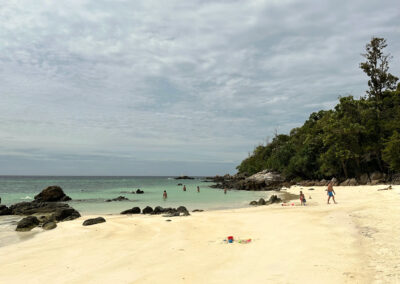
<point x="230" y="239"/>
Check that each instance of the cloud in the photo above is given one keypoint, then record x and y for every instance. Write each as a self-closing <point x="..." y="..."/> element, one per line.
<point x="175" y="82"/>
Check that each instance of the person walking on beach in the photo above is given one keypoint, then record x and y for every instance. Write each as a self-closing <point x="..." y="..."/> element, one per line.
<point x="331" y="192"/>
<point x="302" y="198"/>
<point x="198" y="188"/>
<point x="184" y="188"/>
<point x="164" y="196"/>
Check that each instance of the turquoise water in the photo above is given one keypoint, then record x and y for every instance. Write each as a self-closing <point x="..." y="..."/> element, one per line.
<point x="89" y="193"/>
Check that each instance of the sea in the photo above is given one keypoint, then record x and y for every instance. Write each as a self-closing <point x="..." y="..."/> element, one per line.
<point x="89" y="195"/>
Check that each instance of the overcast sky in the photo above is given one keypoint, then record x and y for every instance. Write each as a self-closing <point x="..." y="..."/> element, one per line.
<point x="92" y="87"/>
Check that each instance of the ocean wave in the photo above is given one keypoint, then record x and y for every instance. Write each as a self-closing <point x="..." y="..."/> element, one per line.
<point x="26" y="197"/>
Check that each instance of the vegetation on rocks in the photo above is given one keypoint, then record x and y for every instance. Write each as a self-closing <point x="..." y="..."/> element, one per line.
<point x="358" y="136"/>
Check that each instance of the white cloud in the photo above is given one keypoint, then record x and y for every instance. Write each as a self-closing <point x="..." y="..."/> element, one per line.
<point x="194" y="81"/>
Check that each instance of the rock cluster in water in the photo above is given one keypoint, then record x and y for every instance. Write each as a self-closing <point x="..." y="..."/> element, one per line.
<point x="45" y="210"/>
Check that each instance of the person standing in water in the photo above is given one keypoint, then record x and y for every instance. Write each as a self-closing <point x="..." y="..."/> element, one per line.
<point x="225" y="190"/>
<point x="331" y="192"/>
<point x="164" y="196"/>
<point x="184" y="188"/>
<point x="198" y="188"/>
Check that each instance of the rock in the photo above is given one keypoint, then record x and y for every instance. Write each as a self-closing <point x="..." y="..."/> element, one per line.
<point x="274" y="199"/>
<point x="184" y="177"/>
<point x="352" y="182"/>
<point x="253" y="202"/>
<point x="335" y="182"/>
<point x="34" y="207"/>
<point x="158" y="210"/>
<point x="198" y="210"/>
<point x="311" y="188"/>
<point x="183" y="211"/>
<point x="364" y="179"/>
<point x="377" y="176"/>
<point x="65" y="214"/>
<point x="119" y="198"/>
<point x="27" y="224"/>
<point x="147" y="210"/>
<point x="179" y="184"/>
<point x="134" y="210"/>
<point x="261" y="201"/>
<point x="395" y="179"/>
<point x="93" y="221"/>
<point x="52" y="193"/>
<point x="49" y="226"/>
<point x="4" y="210"/>
<point x="168" y="220"/>
<point x="138" y="191"/>
<point x="173" y="214"/>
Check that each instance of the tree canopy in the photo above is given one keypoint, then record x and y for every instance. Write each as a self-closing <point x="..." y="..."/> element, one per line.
<point x="357" y="136"/>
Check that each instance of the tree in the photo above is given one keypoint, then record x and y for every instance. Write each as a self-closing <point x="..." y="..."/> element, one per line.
<point x="376" y="67"/>
<point x="391" y="153"/>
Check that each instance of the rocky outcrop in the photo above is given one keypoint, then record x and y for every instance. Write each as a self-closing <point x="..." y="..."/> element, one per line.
<point x="364" y="179"/>
<point x="119" y="198"/>
<point x="184" y="177"/>
<point x="4" y="210"/>
<point x="349" y="182"/>
<point x="52" y="193"/>
<point x="27" y="224"/>
<point x="93" y="221"/>
<point x="377" y="178"/>
<point x="29" y="208"/>
<point x="134" y="210"/>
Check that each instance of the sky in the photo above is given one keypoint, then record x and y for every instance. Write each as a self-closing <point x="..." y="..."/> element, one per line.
<point x="93" y="87"/>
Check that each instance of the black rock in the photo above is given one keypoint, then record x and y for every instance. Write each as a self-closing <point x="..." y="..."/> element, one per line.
<point x="93" y="221"/>
<point x="184" y="177"/>
<point x="198" y="210"/>
<point x="52" y="193"/>
<point x="274" y="199"/>
<point x="4" y="210"/>
<point x="134" y="210"/>
<point x="158" y="210"/>
<point x="261" y="201"/>
<point x="34" y="207"/>
<point x="27" y="224"/>
<point x="138" y="191"/>
<point x="311" y="188"/>
<point x="183" y="211"/>
<point x="65" y="214"/>
<point x="147" y="210"/>
<point x="179" y="184"/>
<point x="119" y="198"/>
<point x="49" y="226"/>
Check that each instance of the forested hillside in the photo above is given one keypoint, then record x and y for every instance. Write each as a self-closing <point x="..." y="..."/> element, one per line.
<point x="358" y="136"/>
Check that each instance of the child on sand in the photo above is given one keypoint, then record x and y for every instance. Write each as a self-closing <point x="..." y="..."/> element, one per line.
<point x="331" y="192"/>
<point x="302" y="198"/>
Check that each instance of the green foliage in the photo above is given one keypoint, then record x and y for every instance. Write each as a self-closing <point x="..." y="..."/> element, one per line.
<point x="357" y="136"/>
<point x="391" y="153"/>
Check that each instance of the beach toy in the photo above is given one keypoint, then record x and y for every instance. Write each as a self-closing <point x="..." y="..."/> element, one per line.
<point x="230" y="239"/>
<point x="245" y="241"/>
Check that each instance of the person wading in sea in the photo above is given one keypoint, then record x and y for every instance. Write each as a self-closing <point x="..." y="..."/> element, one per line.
<point x="184" y="188"/>
<point x="198" y="188"/>
<point x="164" y="196"/>
<point x="331" y="192"/>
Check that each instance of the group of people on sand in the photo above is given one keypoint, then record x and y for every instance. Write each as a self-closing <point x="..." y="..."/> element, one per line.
<point x="329" y="191"/>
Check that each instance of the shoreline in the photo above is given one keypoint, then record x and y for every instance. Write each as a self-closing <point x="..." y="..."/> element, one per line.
<point x="351" y="242"/>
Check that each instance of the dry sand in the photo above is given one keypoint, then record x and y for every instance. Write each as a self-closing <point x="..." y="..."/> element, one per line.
<point x="354" y="241"/>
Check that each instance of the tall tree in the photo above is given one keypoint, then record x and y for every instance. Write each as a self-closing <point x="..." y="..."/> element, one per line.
<point x="377" y="67"/>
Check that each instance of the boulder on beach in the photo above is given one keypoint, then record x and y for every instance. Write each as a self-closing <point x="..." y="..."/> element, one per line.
<point x="27" y="224"/>
<point x="147" y="210"/>
<point x="253" y="202"/>
<point x="52" y="193"/>
<point x="93" y="221"/>
<point x="138" y="191"/>
<point x="4" y="210"/>
<point x="261" y="201"/>
<point x="49" y="226"/>
<point x="134" y="210"/>
<point x="65" y="214"/>
<point x="274" y="199"/>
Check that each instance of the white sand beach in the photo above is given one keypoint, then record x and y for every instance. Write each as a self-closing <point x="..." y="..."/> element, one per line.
<point x="354" y="241"/>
